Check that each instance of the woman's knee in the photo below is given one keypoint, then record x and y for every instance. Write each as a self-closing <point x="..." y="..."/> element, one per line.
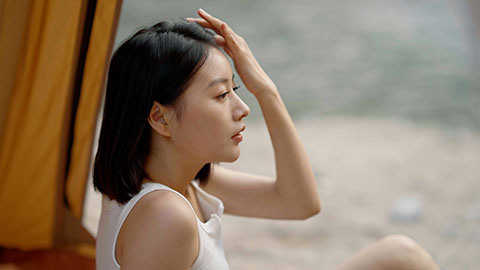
<point x="400" y="243"/>
<point x="406" y="252"/>
<point x="397" y="252"/>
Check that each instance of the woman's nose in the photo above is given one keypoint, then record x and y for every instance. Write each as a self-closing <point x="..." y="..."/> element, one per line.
<point x="241" y="109"/>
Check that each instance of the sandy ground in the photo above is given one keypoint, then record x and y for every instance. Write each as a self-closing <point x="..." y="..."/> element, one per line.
<point x="363" y="167"/>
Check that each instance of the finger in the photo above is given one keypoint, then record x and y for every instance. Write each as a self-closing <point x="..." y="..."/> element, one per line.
<point x="229" y="36"/>
<point x="218" y="36"/>
<point x="201" y="22"/>
<point x="220" y="40"/>
<point x="196" y="20"/>
<point x="216" y="25"/>
<point x="215" y="22"/>
<point x="204" y="23"/>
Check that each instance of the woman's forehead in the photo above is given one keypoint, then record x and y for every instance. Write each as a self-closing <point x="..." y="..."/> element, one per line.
<point x="216" y="66"/>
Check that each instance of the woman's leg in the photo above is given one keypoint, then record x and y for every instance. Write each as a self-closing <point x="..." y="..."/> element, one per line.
<point x="395" y="252"/>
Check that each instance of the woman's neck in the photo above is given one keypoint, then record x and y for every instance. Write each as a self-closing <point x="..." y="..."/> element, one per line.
<point x="171" y="169"/>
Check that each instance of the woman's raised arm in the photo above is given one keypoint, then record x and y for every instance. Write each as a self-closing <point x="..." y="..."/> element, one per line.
<point x="293" y="194"/>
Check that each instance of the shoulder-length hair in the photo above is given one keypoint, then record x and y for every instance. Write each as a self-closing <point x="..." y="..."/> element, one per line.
<point x="155" y="64"/>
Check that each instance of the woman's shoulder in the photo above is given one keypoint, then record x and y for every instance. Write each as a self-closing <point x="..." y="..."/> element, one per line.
<point x="165" y="208"/>
<point x="156" y="225"/>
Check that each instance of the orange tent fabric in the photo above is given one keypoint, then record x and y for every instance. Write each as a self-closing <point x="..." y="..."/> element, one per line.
<point x="101" y="43"/>
<point x="53" y="60"/>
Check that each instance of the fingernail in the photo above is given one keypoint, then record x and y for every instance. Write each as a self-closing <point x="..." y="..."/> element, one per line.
<point x="203" y="11"/>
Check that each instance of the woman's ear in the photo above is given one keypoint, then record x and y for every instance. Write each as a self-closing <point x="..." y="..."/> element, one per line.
<point x="158" y="120"/>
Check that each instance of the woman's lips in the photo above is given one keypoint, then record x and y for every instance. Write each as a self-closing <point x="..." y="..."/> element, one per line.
<point x="238" y="137"/>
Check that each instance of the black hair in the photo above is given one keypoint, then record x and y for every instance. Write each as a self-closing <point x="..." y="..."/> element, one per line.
<point x="155" y="64"/>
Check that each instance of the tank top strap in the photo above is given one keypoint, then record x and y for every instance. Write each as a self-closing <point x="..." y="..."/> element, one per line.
<point x="150" y="186"/>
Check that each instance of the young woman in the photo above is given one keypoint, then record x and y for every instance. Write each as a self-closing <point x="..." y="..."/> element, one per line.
<point x="170" y="112"/>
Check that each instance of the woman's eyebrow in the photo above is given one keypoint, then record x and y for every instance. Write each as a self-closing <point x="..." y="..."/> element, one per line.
<point x="219" y="80"/>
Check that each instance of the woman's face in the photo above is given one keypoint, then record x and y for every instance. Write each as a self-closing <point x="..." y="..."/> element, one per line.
<point x="212" y="113"/>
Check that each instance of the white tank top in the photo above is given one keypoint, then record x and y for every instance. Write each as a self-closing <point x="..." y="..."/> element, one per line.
<point x="211" y="254"/>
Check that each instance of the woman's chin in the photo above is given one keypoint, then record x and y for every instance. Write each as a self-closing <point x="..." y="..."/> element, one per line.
<point x="232" y="156"/>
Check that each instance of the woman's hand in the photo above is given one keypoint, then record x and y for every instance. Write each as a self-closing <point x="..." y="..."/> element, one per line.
<point x="247" y="67"/>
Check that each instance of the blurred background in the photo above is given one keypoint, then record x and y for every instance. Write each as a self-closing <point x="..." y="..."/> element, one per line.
<point x="407" y="60"/>
<point x="386" y="97"/>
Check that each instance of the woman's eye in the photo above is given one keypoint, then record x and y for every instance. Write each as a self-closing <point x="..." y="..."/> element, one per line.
<point x="224" y="95"/>
<point x="235" y="88"/>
